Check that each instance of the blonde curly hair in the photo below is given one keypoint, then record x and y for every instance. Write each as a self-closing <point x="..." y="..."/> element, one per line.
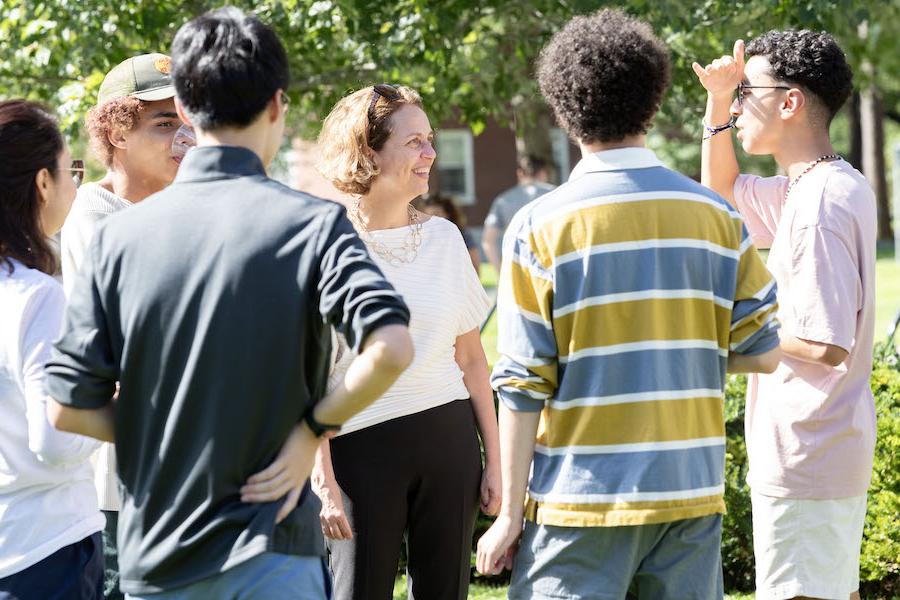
<point x="353" y="127"/>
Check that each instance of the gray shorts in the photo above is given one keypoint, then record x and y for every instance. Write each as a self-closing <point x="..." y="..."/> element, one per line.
<point x="680" y="560"/>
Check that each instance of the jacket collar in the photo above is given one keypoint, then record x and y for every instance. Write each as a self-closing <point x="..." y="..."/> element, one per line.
<point x="207" y="163"/>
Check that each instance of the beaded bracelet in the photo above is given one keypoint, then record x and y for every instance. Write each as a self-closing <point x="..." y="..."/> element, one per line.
<point x="711" y="131"/>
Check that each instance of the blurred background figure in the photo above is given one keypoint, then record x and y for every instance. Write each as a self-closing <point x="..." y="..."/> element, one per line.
<point x="533" y="175"/>
<point x="443" y="206"/>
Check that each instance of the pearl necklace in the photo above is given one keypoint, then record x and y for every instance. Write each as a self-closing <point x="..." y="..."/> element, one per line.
<point x="810" y="168"/>
<point x="394" y="256"/>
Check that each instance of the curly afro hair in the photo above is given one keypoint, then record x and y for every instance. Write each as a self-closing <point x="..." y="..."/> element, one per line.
<point x="604" y="75"/>
<point x="809" y="59"/>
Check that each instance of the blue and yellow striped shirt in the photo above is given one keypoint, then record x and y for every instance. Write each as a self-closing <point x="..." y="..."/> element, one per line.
<point x="622" y="293"/>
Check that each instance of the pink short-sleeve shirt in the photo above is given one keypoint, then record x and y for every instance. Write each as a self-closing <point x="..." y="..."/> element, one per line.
<point x="810" y="427"/>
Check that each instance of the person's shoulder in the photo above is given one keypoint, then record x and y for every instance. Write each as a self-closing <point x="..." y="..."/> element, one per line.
<point x="845" y="198"/>
<point x="845" y="184"/>
<point x="31" y="284"/>
<point x="442" y="227"/>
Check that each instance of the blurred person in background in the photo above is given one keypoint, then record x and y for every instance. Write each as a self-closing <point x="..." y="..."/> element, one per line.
<point x="442" y="206"/>
<point x="533" y="174"/>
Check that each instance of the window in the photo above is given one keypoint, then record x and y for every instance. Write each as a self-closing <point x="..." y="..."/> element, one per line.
<point x="456" y="165"/>
<point x="560" y="142"/>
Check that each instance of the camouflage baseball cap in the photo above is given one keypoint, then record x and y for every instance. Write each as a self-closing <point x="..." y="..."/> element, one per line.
<point x="145" y="77"/>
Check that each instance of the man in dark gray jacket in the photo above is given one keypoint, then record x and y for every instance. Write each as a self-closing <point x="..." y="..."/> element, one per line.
<point x="211" y="303"/>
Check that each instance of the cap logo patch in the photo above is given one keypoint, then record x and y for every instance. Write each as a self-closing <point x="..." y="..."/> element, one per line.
<point x="163" y="65"/>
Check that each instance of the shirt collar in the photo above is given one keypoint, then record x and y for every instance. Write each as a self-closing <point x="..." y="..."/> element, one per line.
<point x="616" y="160"/>
<point x="207" y="163"/>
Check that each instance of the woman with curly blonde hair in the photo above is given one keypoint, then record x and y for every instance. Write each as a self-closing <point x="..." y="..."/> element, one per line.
<point x="409" y="465"/>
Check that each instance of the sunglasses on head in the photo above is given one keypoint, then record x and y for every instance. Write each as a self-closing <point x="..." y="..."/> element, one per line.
<point x="383" y="90"/>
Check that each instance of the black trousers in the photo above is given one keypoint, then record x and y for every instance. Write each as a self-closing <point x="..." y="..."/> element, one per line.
<point x="419" y="475"/>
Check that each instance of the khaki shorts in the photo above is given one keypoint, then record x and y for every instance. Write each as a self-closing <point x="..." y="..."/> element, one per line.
<point x="807" y="547"/>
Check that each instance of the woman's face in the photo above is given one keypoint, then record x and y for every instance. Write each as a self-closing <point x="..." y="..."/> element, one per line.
<point x="56" y="193"/>
<point x="406" y="158"/>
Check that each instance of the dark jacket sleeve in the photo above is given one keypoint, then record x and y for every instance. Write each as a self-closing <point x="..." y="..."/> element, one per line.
<point x="354" y="295"/>
<point x="82" y="371"/>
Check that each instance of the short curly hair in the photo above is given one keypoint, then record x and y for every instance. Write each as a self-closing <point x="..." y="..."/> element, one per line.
<point x="809" y="59"/>
<point x="604" y="75"/>
<point x="121" y="113"/>
<point x="354" y="125"/>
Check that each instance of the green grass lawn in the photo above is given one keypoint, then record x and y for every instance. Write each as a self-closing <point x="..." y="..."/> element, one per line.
<point x="483" y="592"/>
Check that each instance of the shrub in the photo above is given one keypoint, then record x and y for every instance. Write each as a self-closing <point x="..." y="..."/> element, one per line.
<point x="880" y="553"/>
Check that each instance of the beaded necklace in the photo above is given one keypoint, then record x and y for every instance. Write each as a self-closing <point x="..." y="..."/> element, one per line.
<point x="808" y="169"/>
<point x="407" y="253"/>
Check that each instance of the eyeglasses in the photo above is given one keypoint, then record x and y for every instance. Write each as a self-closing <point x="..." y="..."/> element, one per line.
<point x="285" y="101"/>
<point x="741" y="87"/>
<point x="383" y="90"/>
<point x="77" y="170"/>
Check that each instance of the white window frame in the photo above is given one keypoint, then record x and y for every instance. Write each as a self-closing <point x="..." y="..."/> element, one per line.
<point x="464" y="136"/>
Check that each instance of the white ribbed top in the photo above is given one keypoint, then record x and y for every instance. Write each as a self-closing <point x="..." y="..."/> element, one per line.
<point x="445" y="299"/>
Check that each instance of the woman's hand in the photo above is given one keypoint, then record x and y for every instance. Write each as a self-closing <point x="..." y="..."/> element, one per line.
<point x="286" y="475"/>
<point x="335" y="524"/>
<point x="722" y="76"/>
<point x="491" y="489"/>
<point x="497" y="547"/>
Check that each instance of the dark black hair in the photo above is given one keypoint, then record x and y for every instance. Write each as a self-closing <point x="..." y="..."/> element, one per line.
<point x="809" y="59"/>
<point x="604" y="75"/>
<point x="226" y="66"/>
<point x="29" y="141"/>
<point x="531" y="165"/>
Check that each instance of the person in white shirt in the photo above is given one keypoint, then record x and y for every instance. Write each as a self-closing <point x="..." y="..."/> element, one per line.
<point x="50" y="544"/>
<point x="409" y="464"/>
<point x="131" y="130"/>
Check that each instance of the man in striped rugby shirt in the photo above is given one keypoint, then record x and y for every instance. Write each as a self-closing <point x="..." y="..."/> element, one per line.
<point x="626" y="295"/>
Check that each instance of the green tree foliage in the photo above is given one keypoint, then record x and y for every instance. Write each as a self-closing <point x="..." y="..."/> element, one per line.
<point x="472" y="59"/>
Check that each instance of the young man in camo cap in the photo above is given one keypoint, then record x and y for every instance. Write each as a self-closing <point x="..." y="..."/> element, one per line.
<point x="131" y="131"/>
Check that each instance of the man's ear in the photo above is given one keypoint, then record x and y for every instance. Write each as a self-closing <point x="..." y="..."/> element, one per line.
<point x="275" y="107"/>
<point x="118" y="137"/>
<point x="794" y="103"/>
<point x="182" y="114"/>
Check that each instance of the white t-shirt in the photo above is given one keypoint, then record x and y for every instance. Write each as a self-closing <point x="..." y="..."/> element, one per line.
<point x="47" y="497"/>
<point x="446" y="300"/>
<point x="91" y="205"/>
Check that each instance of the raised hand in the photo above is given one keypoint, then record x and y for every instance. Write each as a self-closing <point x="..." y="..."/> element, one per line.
<point x="723" y="75"/>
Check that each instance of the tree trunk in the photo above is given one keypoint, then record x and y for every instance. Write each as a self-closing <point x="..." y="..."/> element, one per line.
<point x="533" y="124"/>
<point x="854" y="152"/>
<point x="872" y="125"/>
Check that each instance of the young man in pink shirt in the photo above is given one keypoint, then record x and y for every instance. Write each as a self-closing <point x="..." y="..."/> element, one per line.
<point x="811" y="424"/>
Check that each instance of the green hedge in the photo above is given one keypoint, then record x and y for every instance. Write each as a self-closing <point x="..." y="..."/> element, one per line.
<point x="880" y="557"/>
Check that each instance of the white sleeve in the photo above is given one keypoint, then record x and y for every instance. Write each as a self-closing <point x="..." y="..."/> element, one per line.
<point x="41" y="324"/>
<point x="76" y="235"/>
<point x="476" y="304"/>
